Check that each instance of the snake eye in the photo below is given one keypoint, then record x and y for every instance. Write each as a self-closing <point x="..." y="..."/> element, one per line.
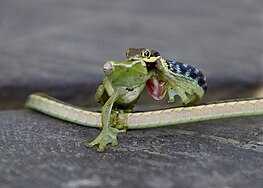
<point x="108" y="67"/>
<point x="155" y="53"/>
<point x="146" y="53"/>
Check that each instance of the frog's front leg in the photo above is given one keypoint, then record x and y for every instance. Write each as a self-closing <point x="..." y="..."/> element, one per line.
<point x="108" y="133"/>
<point x="101" y="95"/>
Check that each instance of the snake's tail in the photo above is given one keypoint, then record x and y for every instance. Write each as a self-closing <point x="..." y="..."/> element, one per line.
<point x="212" y="111"/>
<point x="58" y="109"/>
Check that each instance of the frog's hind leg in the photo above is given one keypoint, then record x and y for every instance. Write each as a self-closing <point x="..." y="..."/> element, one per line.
<point x="108" y="134"/>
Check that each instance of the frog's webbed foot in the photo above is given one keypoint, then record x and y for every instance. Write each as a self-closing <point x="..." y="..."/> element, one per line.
<point x="106" y="136"/>
<point x="118" y="122"/>
<point x="172" y="92"/>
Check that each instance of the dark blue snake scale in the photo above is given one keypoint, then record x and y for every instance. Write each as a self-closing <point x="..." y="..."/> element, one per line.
<point x="188" y="71"/>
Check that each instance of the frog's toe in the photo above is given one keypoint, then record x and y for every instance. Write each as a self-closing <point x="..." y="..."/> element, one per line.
<point x="114" y="142"/>
<point x="185" y="101"/>
<point x="105" y="137"/>
<point x="93" y="143"/>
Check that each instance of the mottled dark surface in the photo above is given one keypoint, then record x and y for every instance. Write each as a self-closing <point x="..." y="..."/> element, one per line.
<point x="38" y="151"/>
<point x="59" y="47"/>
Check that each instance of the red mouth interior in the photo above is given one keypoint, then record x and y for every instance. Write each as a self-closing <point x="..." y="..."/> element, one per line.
<point x="156" y="88"/>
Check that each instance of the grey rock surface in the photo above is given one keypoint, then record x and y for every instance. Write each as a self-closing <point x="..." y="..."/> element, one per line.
<point x="59" y="47"/>
<point x="39" y="151"/>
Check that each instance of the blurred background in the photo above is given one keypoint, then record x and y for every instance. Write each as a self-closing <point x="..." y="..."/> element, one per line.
<point x="59" y="46"/>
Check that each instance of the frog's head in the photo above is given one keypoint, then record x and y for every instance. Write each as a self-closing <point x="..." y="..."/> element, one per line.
<point x="126" y="73"/>
<point x="144" y="54"/>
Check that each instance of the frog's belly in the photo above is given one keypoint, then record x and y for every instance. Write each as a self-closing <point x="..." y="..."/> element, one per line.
<point x="128" y="95"/>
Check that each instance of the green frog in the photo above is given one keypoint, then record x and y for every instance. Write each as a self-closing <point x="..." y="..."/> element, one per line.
<point x="122" y="85"/>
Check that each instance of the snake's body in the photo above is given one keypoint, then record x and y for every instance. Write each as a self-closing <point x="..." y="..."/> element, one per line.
<point x="140" y="120"/>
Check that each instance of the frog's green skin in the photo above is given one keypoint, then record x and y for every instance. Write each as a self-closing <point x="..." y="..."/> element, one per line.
<point x="189" y="83"/>
<point x="121" y="88"/>
<point x="124" y="82"/>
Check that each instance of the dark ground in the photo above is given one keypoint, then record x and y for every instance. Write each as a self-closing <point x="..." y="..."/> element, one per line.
<point x="59" y="47"/>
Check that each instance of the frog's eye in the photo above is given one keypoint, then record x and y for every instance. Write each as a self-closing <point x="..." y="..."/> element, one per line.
<point x="146" y="53"/>
<point x="108" y="67"/>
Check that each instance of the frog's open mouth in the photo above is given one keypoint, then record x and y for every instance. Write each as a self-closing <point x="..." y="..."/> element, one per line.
<point x="156" y="88"/>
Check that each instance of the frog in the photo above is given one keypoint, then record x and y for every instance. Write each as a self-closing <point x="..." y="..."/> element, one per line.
<point x="124" y="82"/>
<point x="122" y="85"/>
